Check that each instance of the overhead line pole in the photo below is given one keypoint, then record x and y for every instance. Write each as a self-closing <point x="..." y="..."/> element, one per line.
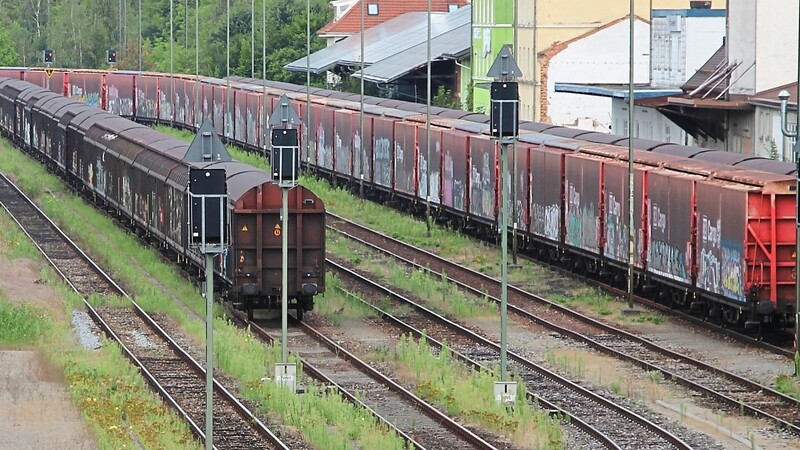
<point x="362" y="143"/>
<point x="252" y="38"/>
<point x="630" y="309"/>
<point x="140" y="35"/>
<point x="428" y="135"/>
<point x="264" y="128"/>
<point x="197" y="110"/>
<point x="308" y="79"/>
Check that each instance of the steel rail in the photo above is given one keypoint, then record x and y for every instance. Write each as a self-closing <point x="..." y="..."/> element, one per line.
<point x="623" y="412"/>
<point x="7" y="186"/>
<point x="785" y="400"/>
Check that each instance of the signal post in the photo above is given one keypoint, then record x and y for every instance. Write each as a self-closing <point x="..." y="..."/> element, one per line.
<point x="285" y="142"/>
<point x="208" y="225"/>
<point x="504" y="122"/>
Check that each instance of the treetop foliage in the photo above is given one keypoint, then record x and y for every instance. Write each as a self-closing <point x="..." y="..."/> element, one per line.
<point x="81" y="31"/>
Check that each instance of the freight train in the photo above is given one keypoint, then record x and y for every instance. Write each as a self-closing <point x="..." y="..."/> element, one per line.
<point x="714" y="231"/>
<point x="138" y="174"/>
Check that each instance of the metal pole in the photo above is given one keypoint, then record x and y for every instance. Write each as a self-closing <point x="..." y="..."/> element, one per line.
<point x="284" y="274"/>
<point x="225" y="119"/>
<point x="308" y="79"/>
<point x="428" y="135"/>
<point x="252" y="38"/>
<point x="797" y="220"/>
<point x="171" y="67"/>
<point x="120" y="25"/>
<point x="514" y="152"/>
<point x="264" y="134"/>
<point x="503" y="260"/>
<point x="361" y="112"/>
<point x="209" y="351"/>
<point x="140" y="35"/>
<point x="630" y="308"/>
<point x="197" y="110"/>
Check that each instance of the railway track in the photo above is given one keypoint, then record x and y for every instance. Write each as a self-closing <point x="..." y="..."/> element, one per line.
<point x="411" y="417"/>
<point x="739" y="394"/>
<point x="607" y="424"/>
<point x="173" y="373"/>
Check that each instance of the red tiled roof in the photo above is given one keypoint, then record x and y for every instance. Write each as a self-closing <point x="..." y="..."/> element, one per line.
<point x="350" y="22"/>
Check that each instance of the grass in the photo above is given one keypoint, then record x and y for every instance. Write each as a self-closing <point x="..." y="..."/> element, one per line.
<point x="574" y="364"/>
<point x="21" y="325"/>
<point x="338" y="305"/>
<point x="788" y="385"/>
<point x="113" y="399"/>
<point x="468" y="394"/>
<point x="325" y="422"/>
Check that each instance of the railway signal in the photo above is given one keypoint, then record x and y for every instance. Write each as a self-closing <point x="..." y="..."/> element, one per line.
<point x="208" y="226"/>
<point x="47" y="57"/>
<point x="285" y="161"/>
<point x="504" y="123"/>
<point x="111" y="57"/>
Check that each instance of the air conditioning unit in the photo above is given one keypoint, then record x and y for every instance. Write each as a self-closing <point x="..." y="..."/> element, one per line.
<point x="700" y="4"/>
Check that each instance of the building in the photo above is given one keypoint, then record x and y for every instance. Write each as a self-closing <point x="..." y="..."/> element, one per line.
<point x="536" y="29"/>
<point x="347" y="17"/>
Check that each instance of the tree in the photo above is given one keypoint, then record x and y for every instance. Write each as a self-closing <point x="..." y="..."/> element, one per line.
<point x="8" y="54"/>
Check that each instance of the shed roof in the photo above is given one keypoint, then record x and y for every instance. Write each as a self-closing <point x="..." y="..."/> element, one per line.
<point x="388" y="39"/>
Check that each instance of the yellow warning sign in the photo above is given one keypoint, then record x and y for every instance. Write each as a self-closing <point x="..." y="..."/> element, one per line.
<point x="244" y="228"/>
<point x="277" y="230"/>
<point x="49" y="72"/>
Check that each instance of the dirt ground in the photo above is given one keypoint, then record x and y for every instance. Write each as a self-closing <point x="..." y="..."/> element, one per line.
<point x="35" y="406"/>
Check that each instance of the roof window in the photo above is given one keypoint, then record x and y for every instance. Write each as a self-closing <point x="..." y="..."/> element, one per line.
<point x="452" y="7"/>
<point x="372" y="9"/>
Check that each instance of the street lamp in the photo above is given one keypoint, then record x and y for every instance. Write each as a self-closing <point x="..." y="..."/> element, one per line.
<point x="783" y="95"/>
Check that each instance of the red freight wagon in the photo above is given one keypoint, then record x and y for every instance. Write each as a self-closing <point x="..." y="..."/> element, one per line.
<point x="119" y="94"/>
<point x="746" y="240"/>
<point x="547" y="195"/>
<point x="617" y="196"/>
<point x="86" y="87"/>
<point x="405" y="158"/>
<point x="147" y="98"/>
<point x="345" y="122"/>
<point x="166" y="97"/>
<point x="519" y="209"/>
<point x="430" y="168"/>
<point x="362" y="154"/>
<point x="254" y="121"/>
<point x="323" y="135"/>
<point x="483" y="158"/>
<point x="383" y="151"/>
<point x="239" y="117"/>
<point x="583" y="202"/>
<point x="454" y="170"/>
<point x="671" y="221"/>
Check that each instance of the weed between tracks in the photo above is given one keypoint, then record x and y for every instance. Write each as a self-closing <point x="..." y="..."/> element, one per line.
<point x="468" y="394"/>
<point x="114" y="400"/>
<point x="440" y="294"/>
<point x="324" y="420"/>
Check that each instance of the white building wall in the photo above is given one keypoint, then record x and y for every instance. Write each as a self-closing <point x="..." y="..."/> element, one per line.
<point x="741" y="44"/>
<point x="775" y="42"/>
<point x="600" y="58"/>
<point x="648" y="124"/>
<point x="770" y="142"/>
<point x="704" y="36"/>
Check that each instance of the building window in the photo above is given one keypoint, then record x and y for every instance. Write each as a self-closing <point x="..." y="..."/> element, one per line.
<point x="372" y="9"/>
<point x="667" y="137"/>
<point x="452" y="7"/>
